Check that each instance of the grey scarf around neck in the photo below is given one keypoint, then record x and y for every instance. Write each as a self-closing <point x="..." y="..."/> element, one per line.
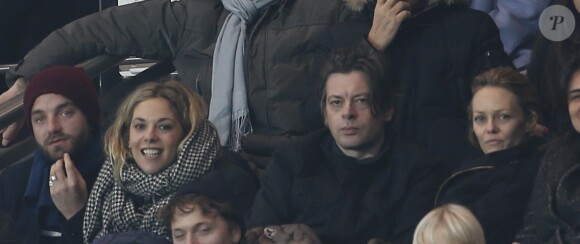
<point x="228" y="109"/>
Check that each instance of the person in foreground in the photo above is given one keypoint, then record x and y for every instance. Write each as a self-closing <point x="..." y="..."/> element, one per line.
<point x="553" y="213"/>
<point x="504" y="116"/>
<point x="211" y="210"/>
<point x="339" y="181"/>
<point x="159" y="141"/>
<point x="449" y="223"/>
<point x="45" y="196"/>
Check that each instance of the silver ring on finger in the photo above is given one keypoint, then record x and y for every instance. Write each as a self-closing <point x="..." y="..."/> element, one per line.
<point x="269" y="232"/>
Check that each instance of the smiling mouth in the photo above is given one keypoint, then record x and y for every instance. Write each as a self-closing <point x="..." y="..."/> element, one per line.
<point x="150" y="152"/>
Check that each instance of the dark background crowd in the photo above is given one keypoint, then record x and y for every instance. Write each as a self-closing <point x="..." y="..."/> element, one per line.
<point x="362" y="121"/>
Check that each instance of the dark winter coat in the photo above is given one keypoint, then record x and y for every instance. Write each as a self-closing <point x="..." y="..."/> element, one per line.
<point x="496" y="188"/>
<point x="553" y="215"/>
<point x="26" y="223"/>
<point x="344" y="200"/>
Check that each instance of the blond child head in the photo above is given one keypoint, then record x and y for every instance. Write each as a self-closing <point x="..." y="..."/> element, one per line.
<point x="451" y="224"/>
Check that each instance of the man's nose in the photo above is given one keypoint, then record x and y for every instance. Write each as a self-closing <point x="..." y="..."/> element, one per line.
<point x="54" y="124"/>
<point x="349" y="111"/>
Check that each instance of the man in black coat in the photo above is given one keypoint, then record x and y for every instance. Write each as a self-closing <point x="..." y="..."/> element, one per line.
<point x="45" y="196"/>
<point x="353" y="181"/>
<point x="438" y="47"/>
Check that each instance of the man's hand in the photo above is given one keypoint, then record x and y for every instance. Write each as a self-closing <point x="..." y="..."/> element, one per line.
<point x="10" y="132"/>
<point x="283" y="234"/>
<point x="68" y="190"/>
<point x="389" y="14"/>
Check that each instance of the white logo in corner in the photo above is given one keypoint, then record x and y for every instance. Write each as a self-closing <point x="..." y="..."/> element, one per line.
<point x="557" y="23"/>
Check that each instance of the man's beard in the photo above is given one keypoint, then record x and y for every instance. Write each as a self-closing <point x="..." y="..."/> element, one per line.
<point x="77" y="144"/>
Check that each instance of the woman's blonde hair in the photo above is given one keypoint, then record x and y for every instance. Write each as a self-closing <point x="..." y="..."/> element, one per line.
<point x="188" y="107"/>
<point x="451" y="224"/>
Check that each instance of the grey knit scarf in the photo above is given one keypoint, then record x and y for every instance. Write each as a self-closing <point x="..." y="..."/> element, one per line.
<point x="228" y="108"/>
<point x="111" y="207"/>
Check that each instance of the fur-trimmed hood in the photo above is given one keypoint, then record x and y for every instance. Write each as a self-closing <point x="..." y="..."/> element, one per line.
<point x="358" y="5"/>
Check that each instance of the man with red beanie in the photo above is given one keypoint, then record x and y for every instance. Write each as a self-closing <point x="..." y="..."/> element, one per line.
<point x="45" y="196"/>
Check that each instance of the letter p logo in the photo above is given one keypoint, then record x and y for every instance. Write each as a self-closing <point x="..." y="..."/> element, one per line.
<point x="557" y="23"/>
<point x="556" y="20"/>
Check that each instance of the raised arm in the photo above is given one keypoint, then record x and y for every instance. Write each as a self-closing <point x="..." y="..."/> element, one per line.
<point x="155" y="29"/>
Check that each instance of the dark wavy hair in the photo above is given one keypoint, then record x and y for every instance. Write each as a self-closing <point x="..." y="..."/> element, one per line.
<point x="188" y="203"/>
<point x="568" y="132"/>
<point x="383" y="81"/>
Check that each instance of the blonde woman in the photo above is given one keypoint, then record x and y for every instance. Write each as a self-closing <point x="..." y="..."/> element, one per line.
<point x="504" y="124"/>
<point x="451" y="224"/>
<point x="159" y="141"/>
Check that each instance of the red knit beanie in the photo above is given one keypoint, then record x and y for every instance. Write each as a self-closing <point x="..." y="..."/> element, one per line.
<point x="70" y="82"/>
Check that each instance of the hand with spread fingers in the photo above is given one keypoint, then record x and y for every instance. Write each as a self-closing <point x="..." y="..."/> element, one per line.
<point x="67" y="187"/>
<point x="283" y="234"/>
<point x="389" y="14"/>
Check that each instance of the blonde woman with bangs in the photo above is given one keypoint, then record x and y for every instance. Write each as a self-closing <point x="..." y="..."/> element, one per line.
<point x="450" y="224"/>
<point x="159" y="141"/>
